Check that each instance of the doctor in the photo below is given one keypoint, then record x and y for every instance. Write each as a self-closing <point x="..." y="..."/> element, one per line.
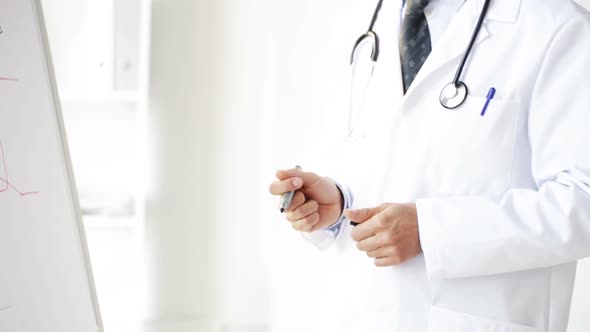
<point x="483" y="191"/>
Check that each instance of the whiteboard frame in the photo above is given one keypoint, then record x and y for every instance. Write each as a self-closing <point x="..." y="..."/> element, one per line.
<point x="37" y="6"/>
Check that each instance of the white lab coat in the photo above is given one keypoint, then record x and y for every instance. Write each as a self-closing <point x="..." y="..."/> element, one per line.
<point x="503" y="200"/>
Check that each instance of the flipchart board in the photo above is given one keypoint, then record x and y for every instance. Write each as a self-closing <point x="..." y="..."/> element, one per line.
<point x="45" y="277"/>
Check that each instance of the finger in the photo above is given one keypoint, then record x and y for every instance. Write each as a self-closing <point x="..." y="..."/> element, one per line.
<point x="288" y="173"/>
<point x="308" y="178"/>
<point x="380" y="239"/>
<point x="373" y="242"/>
<point x="302" y="211"/>
<point x="306" y="224"/>
<point x="367" y="229"/>
<point x="361" y="215"/>
<point x="298" y="200"/>
<point x="361" y="233"/>
<point x="387" y="261"/>
<point x="384" y="252"/>
<point x="283" y="186"/>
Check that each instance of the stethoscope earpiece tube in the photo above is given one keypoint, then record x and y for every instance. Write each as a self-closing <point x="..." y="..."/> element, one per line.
<point x="375" y="15"/>
<point x="356" y="44"/>
<point x="455" y="93"/>
<point x="375" y="53"/>
<point x="369" y="34"/>
<point x="482" y="16"/>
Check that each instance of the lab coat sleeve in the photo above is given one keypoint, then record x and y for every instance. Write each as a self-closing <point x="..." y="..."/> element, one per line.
<point x="526" y="229"/>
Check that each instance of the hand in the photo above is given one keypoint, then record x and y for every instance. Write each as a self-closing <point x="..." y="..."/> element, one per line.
<point x="317" y="203"/>
<point x="388" y="233"/>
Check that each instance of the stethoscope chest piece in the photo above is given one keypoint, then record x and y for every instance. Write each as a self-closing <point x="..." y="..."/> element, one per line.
<point x="453" y="95"/>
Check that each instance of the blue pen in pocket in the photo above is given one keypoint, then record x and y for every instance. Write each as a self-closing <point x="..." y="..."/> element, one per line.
<point x="490" y="96"/>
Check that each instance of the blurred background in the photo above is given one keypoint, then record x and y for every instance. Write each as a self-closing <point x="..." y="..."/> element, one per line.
<point x="178" y="112"/>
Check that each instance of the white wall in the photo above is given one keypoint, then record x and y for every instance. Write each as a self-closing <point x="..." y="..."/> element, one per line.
<point x="182" y="139"/>
<point x="205" y="267"/>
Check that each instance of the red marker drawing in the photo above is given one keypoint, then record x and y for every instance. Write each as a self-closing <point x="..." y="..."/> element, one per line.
<point x="6" y="181"/>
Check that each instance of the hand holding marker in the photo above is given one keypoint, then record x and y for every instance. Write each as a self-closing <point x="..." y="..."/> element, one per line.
<point x="287" y="197"/>
<point x="309" y="202"/>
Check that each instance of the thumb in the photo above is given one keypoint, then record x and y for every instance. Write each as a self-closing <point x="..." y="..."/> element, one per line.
<point x="359" y="216"/>
<point x="307" y="177"/>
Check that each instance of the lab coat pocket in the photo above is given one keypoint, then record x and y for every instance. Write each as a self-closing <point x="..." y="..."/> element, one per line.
<point x="475" y="152"/>
<point x="443" y="320"/>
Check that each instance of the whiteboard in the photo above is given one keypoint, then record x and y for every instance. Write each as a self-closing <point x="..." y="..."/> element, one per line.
<point x="45" y="277"/>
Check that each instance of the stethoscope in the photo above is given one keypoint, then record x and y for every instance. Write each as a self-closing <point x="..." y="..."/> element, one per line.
<point x="453" y="94"/>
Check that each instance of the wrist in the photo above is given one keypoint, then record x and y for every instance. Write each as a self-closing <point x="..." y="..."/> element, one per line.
<point x="342" y="204"/>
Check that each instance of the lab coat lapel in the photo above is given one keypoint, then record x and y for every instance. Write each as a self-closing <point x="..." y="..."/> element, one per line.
<point x="451" y="45"/>
<point x="394" y="25"/>
<point x="386" y="90"/>
<point x="388" y="71"/>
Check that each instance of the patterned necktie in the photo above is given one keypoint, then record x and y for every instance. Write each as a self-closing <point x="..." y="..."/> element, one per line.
<point x="414" y="40"/>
